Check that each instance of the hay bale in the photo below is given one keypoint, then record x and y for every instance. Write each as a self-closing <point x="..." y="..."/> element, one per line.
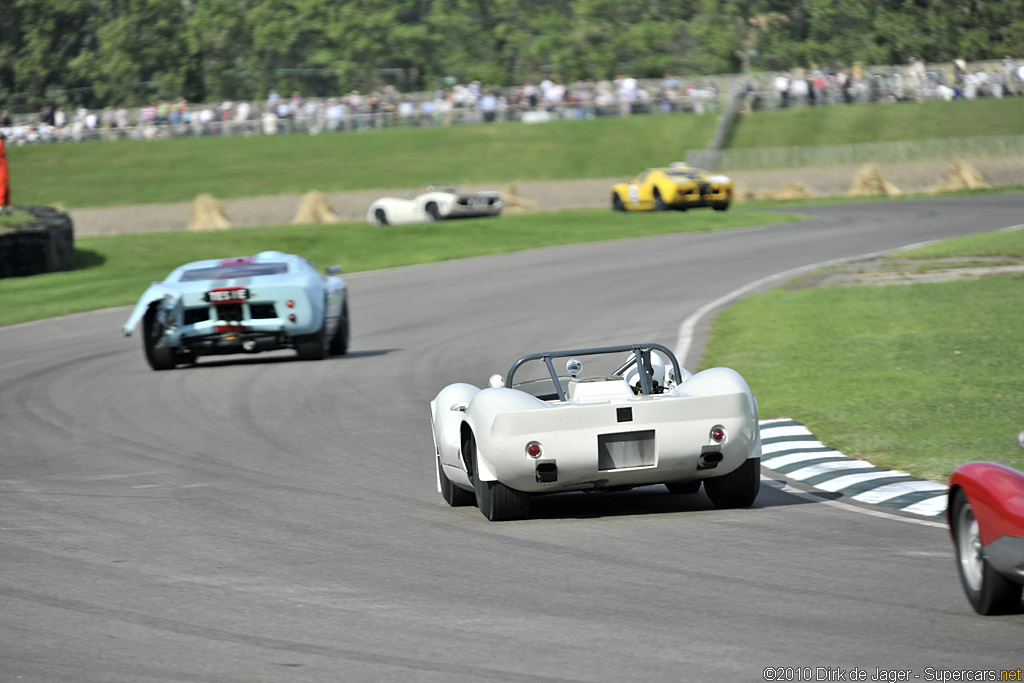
<point x="961" y="176"/>
<point x="207" y="214"/>
<point x="743" y="194"/>
<point x="794" y="190"/>
<point x="516" y="204"/>
<point x="869" y="182"/>
<point x="313" y="208"/>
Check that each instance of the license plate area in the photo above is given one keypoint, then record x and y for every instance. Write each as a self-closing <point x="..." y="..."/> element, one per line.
<point x="227" y="294"/>
<point x="625" y="449"/>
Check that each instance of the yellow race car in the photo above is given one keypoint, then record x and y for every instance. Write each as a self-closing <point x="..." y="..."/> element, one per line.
<point x="677" y="187"/>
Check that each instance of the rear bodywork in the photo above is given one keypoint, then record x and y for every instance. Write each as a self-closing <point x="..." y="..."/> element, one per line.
<point x="246" y="304"/>
<point x="677" y="187"/>
<point x="598" y="433"/>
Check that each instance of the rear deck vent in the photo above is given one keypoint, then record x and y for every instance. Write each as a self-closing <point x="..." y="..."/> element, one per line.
<point x="624" y="414"/>
<point x="230" y="312"/>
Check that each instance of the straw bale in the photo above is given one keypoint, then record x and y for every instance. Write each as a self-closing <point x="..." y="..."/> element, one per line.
<point x="313" y="208"/>
<point x="207" y="214"/>
<point x="961" y="176"/>
<point x="869" y="182"/>
<point x="516" y="204"/>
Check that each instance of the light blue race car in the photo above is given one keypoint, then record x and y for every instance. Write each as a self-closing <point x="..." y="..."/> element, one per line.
<point x="243" y="305"/>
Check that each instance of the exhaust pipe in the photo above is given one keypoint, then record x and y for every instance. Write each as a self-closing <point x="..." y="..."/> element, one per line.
<point x="249" y="345"/>
<point x="709" y="461"/>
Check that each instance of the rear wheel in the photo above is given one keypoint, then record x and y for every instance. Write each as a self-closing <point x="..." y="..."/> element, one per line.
<point x="988" y="591"/>
<point x="497" y="502"/>
<point x="381" y="217"/>
<point x="159" y="357"/>
<point x="433" y="213"/>
<point x="739" y="488"/>
<point x="683" y="486"/>
<point x="720" y="206"/>
<point x="339" y="342"/>
<point x="453" y="495"/>
<point x="313" y="346"/>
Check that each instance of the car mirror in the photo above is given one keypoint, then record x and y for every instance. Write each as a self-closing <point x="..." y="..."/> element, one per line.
<point x="496" y="382"/>
<point x="333" y="270"/>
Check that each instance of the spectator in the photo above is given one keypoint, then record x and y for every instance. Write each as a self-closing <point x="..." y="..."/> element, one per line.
<point x="5" y="192"/>
<point x="489" y="106"/>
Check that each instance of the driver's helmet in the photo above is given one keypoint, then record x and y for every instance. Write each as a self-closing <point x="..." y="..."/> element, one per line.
<point x="658" y="366"/>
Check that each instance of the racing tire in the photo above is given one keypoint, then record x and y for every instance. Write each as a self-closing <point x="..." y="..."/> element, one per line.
<point x="988" y="591"/>
<point x="677" y="487"/>
<point x="497" y="502"/>
<point x="158" y="357"/>
<point x="739" y="488"/>
<point x="659" y="203"/>
<point x="381" y="217"/>
<point x="339" y="342"/>
<point x="433" y="213"/>
<point x="720" y="206"/>
<point x="313" y="346"/>
<point x="617" y="204"/>
<point x="455" y="496"/>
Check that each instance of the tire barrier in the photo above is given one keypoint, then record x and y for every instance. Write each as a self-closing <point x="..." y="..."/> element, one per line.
<point x="45" y="246"/>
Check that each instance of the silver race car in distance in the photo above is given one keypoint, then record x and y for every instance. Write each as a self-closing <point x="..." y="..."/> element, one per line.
<point x="243" y="305"/>
<point x="635" y="421"/>
<point x="438" y="203"/>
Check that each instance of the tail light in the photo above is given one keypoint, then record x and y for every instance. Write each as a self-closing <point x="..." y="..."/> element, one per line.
<point x="533" y="449"/>
<point x="718" y="434"/>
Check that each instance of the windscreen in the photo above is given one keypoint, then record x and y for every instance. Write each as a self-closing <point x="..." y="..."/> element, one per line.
<point x="534" y="378"/>
<point x="233" y="271"/>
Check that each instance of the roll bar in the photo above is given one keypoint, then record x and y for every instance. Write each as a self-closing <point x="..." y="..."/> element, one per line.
<point x="641" y="357"/>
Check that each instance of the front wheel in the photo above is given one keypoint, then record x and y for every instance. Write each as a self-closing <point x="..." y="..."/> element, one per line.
<point x="159" y="357"/>
<point x="381" y="217"/>
<point x="617" y="204"/>
<point x="739" y="488"/>
<point x="433" y="213"/>
<point x="497" y="502"/>
<point x="988" y="591"/>
<point x="659" y="203"/>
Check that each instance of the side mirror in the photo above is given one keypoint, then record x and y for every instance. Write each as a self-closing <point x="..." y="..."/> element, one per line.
<point x="496" y="381"/>
<point x="333" y="270"/>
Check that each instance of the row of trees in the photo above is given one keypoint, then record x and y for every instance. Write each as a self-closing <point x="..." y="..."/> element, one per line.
<point x="112" y="52"/>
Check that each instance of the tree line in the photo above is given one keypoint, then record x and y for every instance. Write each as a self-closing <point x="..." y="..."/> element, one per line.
<point x="127" y="52"/>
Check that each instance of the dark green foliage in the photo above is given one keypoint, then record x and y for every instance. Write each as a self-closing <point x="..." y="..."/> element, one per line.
<point x="113" y="52"/>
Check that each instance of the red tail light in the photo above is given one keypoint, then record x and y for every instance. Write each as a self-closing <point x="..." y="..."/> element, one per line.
<point x="718" y="434"/>
<point x="533" y="449"/>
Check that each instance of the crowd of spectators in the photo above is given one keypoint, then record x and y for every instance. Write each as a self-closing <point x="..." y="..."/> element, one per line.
<point x="531" y="102"/>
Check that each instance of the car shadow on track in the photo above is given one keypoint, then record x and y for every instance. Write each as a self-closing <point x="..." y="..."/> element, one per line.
<point x="274" y="357"/>
<point x="652" y="500"/>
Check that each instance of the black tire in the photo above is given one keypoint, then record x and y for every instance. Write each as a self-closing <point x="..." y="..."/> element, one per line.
<point x="677" y="487"/>
<point x="339" y="342"/>
<point x="158" y="357"/>
<point x="617" y="204"/>
<point x="659" y="203"/>
<point x="988" y="591"/>
<point x="739" y="488"/>
<point x="381" y="217"/>
<point x="453" y="495"/>
<point x="720" y="206"/>
<point x="313" y="346"/>
<point x="433" y="213"/>
<point x="497" y="502"/>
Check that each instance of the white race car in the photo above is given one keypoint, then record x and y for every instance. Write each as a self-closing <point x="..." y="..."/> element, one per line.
<point x="638" y="421"/>
<point x="434" y="205"/>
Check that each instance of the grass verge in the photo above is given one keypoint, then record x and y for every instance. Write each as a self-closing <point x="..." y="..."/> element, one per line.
<point x="113" y="271"/>
<point x="918" y="377"/>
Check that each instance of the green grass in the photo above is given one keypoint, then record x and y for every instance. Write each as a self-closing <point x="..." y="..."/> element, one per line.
<point x="919" y="378"/>
<point x="866" y="123"/>
<point x="113" y="271"/>
<point x="142" y="172"/>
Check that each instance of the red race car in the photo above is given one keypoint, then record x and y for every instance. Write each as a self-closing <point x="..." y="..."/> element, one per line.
<point x="986" y="519"/>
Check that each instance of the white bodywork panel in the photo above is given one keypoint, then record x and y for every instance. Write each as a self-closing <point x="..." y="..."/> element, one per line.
<point x="397" y="211"/>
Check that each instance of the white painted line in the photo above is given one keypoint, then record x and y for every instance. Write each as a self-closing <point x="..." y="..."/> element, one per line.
<point x="783" y="460"/>
<point x="826" y="467"/>
<point x="850" y="479"/>
<point x="790" y="445"/>
<point x="786" y="430"/>
<point x="930" y="506"/>
<point x="890" y="491"/>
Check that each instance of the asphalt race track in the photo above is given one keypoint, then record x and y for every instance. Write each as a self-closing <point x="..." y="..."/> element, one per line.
<point x="257" y="518"/>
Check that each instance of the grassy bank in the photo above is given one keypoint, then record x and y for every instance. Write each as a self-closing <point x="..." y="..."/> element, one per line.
<point x="918" y="377"/>
<point x="113" y="271"/>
